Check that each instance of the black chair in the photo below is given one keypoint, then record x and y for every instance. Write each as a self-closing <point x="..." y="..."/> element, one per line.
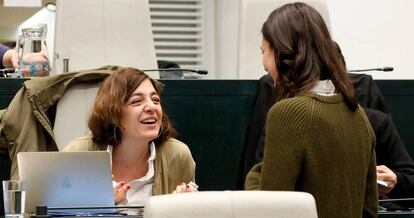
<point x="176" y="74"/>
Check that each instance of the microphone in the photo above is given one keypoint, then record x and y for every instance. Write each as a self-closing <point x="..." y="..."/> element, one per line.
<point x="198" y="71"/>
<point x="6" y="72"/>
<point x="385" y="69"/>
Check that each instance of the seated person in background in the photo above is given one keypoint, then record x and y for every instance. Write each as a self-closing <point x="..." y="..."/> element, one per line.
<point x="316" y="134"/>
<point x="8" y="57"/>
<point x="127" y="120"/>
<point x="395" y="166"/>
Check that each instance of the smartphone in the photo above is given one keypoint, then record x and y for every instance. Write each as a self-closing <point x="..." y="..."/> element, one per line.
<point x="382" y="183"/>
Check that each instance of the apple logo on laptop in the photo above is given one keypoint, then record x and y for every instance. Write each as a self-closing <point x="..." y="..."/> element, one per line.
<point x="66" y="183"/>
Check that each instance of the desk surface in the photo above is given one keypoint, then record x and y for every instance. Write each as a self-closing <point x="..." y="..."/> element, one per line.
<point x="381" y="215"/>
<point x="396" y="214"/>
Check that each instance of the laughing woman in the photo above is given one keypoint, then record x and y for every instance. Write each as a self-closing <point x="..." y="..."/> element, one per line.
<point x="128" y="121"/>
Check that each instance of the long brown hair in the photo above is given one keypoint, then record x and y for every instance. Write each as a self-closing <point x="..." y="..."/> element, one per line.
<point x="304" y="52"/>
<point x="106" y="114"/>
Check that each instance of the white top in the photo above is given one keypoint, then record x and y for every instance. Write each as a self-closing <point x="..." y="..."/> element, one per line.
<point x="324" y="87"/>
<point x="141" y="189"/>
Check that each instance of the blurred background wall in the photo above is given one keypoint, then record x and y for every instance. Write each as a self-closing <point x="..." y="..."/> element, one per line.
<point x="205" y="34"/>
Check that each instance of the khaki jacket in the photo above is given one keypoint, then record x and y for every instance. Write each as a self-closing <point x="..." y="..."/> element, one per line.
<point x="173" y="162"/>
<point x="25" y="125"/>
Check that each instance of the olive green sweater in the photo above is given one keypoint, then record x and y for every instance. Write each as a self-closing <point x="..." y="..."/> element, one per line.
<point x="316" y="144"/>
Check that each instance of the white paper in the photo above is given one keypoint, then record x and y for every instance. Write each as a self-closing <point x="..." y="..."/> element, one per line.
<point x="382" y="183"/>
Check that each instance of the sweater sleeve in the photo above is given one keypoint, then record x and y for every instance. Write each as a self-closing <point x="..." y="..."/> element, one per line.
<point x="253" y="178"/>
<point x="283" y="153"/>
<point x="371" y="191"/>
<point x="3" y="50"/>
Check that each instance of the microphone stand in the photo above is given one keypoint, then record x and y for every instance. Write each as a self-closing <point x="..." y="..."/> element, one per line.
<point x="8" y="72"/>
<point x="177" y="73"/>
<point x="384" y="69"/>
<point x="202" y="72"/>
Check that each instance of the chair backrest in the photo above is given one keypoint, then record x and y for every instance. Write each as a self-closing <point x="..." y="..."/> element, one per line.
<point x="104" y="32"/>
<point x="253" y="13"/>
<point x="233" y="204"/>
<point x="72" y="112"/>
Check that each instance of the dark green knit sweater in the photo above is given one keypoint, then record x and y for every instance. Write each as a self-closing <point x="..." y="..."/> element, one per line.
<point x="316" y="144"/>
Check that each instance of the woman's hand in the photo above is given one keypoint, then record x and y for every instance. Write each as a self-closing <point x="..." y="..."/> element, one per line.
<point x="120" y="191"/>
<point x="385" y="174"/>
<point x="190" y="187"/>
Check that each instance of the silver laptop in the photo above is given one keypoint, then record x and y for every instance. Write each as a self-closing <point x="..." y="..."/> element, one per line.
<point x="66" y="179"/>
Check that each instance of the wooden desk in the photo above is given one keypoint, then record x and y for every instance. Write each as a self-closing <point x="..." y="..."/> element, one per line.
<point x="211" y="116"/>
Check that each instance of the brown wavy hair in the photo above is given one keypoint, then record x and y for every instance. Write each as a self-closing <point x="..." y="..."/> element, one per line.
<point x="107" y="112"/>
<point x="304" y="53"/>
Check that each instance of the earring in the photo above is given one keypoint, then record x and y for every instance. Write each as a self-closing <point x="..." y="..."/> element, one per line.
<point x="160" y="132"/>
<point x="116" y="140"/>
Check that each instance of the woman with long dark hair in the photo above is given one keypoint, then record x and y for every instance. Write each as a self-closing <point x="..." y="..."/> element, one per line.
<point x="318" y="139"/>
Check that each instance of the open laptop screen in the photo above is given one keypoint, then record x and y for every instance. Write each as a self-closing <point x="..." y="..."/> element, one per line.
<point x="59" y="179"/>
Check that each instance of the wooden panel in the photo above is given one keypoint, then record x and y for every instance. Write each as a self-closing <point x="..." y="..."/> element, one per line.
<point x="399" y="97"/>
<point x="211" y="116"/>
<point x="8" y="88"/>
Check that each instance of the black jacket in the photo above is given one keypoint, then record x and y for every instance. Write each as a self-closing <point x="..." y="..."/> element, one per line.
<point x="392" y="153"/>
